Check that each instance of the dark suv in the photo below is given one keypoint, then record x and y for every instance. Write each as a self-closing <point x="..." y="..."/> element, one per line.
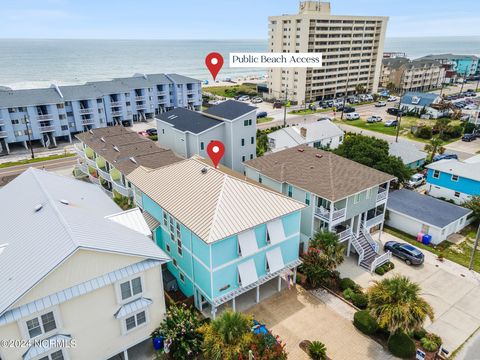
<point x="408" y="253"/>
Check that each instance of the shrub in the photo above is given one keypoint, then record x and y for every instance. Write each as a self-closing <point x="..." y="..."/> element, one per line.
<point x="347" y="283"/>
<point x="348" y="294"/>
<point x="429" y="344"/>
<point x="390" y="265"/>
<point x="419" y="334"/>
<point x="435" y="338"/>
<point x="424" y="132"/>
<point x="380" y="271"/>
<point x="364" y="322"/>
<point x="317" y="351"/>
<point x="360" y="300"/>
<point x="469" y="128"/>
<point x="401" y="345"/>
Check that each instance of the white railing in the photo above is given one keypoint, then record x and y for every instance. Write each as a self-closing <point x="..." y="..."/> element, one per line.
<point x="45" y="117"/>
<point x="117" y="113"/>
<point x="338" y="214"/>
<point x="88" y="121"/>
<point x="322" y="212"/>
<point x="375" y="245"/>
<point x="93" y="179"/>
<point x="161" y="93"/>
<point x="46" y="128"/>
<point x="382" y="194"/>
<point x="190" y="92"/>
<point x="141" y="106"/>
<point x="116" y="103"/>
<point x="121" y="189"/>
<point x="2" y="123"/>
<point x="91" y="162"/>
<point x="374" y="221"/>
<point x="139" y="98"/>
<point x="358" y="248"/>
<point x="3" y="134"/>
<point x="86" y="111"/>
<point x="345" y="234"/>
<point x="379" y="261"/>
<point x="104" y="174"/>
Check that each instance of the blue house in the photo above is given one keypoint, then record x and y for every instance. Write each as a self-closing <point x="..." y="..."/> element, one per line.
<point x="226" y="236"/>
<point x="454" y="179"/>
<point x="422" y="103"/>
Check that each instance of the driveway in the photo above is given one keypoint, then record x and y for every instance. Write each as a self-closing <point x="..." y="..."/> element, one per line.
<point x="296" y="315"/>
<point x="471" y="147"/>
<point x="451" y="289"/>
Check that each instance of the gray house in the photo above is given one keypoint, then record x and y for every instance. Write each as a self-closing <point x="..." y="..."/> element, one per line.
<point x="189" y="132"/>
<point x="344" y="197"/>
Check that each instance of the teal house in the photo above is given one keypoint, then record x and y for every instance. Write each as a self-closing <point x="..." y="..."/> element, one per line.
<point x="226" y="236"/>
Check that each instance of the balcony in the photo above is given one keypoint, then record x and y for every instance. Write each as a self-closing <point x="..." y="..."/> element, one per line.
<point x="104" y="174"/>
<point x="88" y="121"/>
<point x="79" y="150"/>
<point x="117" y="113"/>
<point x="378" y="219"/>
<point x="44" y="129"/>
<point x="3" y="134"/>
<point x="116" y="103"/>
<point x="81" y="167"/>
<point x="141" y="106"/>
<point x="93" y="179"/>
<point x="91" y="163"/>
<point x="121" y="189"/>
<point x="2" y="123"/>
<point x="191" y="92"/>
<point x="337" y="215"/>
<point x="345" y="234"/>
<point x="161" y="93"/>
<point x="85" y="111"/>
<point x="139" y="98"/>
<point x="45" y="117"/>
<point x="382" y="194"/>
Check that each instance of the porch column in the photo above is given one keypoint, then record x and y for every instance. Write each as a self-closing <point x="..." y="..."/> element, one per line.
<point x="279" y="285"/>
<point x="70" y="138"/>
<point x="295" y="276"/>
<point x="350" y="238"/>
<point x="214" y="312"/>
<point x="6" y="147"/>
<point x="358" y="224"/>
<point x="233" y="304"/>
<point x="125" y="354"/>
<point x="257" y="300"/>
<point x="25" y="144"/>
<point x="330" y="216"/>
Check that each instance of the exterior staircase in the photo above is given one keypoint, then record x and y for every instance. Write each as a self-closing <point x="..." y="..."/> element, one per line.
<point x="368" y="251"/>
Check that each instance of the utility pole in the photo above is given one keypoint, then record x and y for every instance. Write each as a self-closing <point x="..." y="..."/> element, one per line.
<point x="285" y="107"/>
<point x="27" y="122"/>
<point x="463" y="81"/>
<point x="474" y="249"/>
<point x="399" y="114"/>
<point x="345" y="98"/>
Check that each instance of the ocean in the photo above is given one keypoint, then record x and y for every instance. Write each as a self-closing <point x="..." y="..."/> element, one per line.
<point x="38" y="63"/>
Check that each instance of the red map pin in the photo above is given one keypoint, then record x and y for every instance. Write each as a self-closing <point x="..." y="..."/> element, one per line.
<point x="214" y="62"/>
<point x="215" y="151"/>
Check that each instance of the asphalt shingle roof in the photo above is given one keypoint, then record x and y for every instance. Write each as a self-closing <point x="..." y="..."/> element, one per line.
<point x="230" y="109"/>
<point x="425" y="208"/>
<point x="181" y="79"/>
<point x="426" y="99"/>
<point x="16" y="98"/>
<point x="406" y="151"/>
<point x="187" y="120"/>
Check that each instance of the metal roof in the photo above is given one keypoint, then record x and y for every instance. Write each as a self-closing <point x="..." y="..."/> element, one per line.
<point x="180" y="79"/>
<point x="20" y="98"/>
<point x="80" y="92"/>
<point x="425" y="208"/>
<point x="230" y="109"/>
<point x="131" y="307"/>
<point x="424" y="99"/>
<point x="187" y="120"/>
<point x="469" y="170"/>
<point x="132" y="219"/>
<point x="406" y="151"/>
<point x="47" y="345"/>
<point x="49" y="218"/>
<point x="209" y="202"/>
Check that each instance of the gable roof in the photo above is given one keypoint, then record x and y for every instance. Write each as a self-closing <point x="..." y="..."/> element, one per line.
<point x="80" y="92"/>
<point x="424" y="99"/>
<point x="212" y="204"/>
<point x="406" y="151"/>
<point x="467" y="169"/>
<point x="188" y="120"/>
<point x="230" y="109"/>
<point x="58" y="216"/>
<point x="130" y="145"/>
<point x="41" y="96"/>
<point x="425" y="208"/>
<point x="321" y="172"/>
<point x="181" y="79"/>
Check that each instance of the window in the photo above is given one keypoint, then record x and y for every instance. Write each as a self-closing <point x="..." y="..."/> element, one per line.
<point x="15" y="122"/>
<point x="136" y="320"/>
<point x="41" y="325"/>
<point x="99" y="101"/>
<point x="165" y="219"/>
<point x="243" y="158"/>
<point x="356" y="198"/>
<point x="454" y="177"/>
<point x="268" y="237"/>
<point x="64" y="127"/>
<point x="290" y="190"/>
<point x="369" y="193"/>
<point x="247" y="122"/>
<point x="167" y="247"/>
<point x="260" y="178"/>
<point x="182" y="278"/>
<point x="57" y="355"/>
<point x="131" y="288"/>
<point x="202" y="146"/>
<point x="251" y="156"/>
<point x="60" y="106"/>
<point x="436" y="174"/>
<point x="179" y="247"/>
<point x="243" y="142"/>
<point x="252" y="140"/>
<point x="175" y="263"/>
<point x="457" y="194"/>
<point x="307" y="198"/>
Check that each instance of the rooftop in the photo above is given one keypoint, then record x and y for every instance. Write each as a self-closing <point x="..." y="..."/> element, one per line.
<point x="219" y="205"/>
<point x="425" y="208"/>
<point x="450" y="57"/>
<point x="321" y="172"/>
<point x="406" y="152"/>
<point x="419" y="98"/>
<point x="59" y="215"/>
<point x="469" y="169"/>
<point x="188" y="120"/>
<point x="230" y="109"/>
<point x="118" y="146"/>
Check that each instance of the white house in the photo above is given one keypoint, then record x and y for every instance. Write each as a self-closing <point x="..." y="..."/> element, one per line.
<point x="320" y="134"/>
<point x="423" y="102"/>
<point x="415" y="213"/>
<point x="72" y="272"/>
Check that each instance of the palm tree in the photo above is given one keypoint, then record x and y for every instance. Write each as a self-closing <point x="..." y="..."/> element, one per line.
<point x="397" y="306"/>
<point x="434" y="146"/>
<point x="317" y="350"/>
<point x="330" y="247"/>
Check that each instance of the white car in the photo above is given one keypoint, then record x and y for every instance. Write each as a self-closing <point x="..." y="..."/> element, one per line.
<point x="392" y="98"/>
<point x="244" y="98"/>
<point x="352" y="116"/>
<point x="374" y="119"/>
<point x="380" y="104"/>
<point x="416" y="180"/>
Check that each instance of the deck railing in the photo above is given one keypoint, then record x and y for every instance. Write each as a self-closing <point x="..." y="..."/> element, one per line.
<point x="358" y="248"/>
<point x="379" y="261"/>
<point x="382" y="194"/>
<point x="375" y="245"/>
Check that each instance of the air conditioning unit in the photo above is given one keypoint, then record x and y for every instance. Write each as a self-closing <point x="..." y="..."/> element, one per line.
<point x="415" y="100"/>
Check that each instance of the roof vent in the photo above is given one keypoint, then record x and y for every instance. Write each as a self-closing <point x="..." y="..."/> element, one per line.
<point x="116" y="148"/>
<point x="2" y="247"/>
<point x="319" y="156"/>
<point x="204" y="170"/>
<point x="102" y="139"/>
<point x="64" y="202"/>
<point x="132" y="159"/>
<point x="38" y="207"/>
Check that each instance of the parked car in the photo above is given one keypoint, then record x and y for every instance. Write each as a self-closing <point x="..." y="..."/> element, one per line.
<point x="352" y="116"/>
<point x="151" y="131"/>
<point x="256" y="100"/>
<point x="261" y="114"/>
<point x="277" y="105"/>
<point x="312" y="107"/>
<point x="408" y="253"/>
<point x="380" y="104"/>
<point x="394" y="111"/>
<point x="392" y="98"/>
<point x="348" y="109"/>
<point x="244" y="98"/>
<point x="444" y="157"/>
<point x="374" y="119"/>
<point x="391" y="123"/>
<point x="468" y="137"/>
<point x="415" y="180"/>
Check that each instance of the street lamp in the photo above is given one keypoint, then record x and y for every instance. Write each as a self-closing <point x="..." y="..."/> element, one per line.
<point x="27" y="123"/>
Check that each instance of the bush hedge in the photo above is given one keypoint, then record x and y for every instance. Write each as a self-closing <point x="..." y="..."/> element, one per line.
<point x="401" y="345"/>
<point x="360" y="300"/>
<point x="364" y="322"/>
<point x="429" y="344"/>
<point x="380" y="271"/>
<point x="348" y="294"/>
<point x="347" y="283"/>
<point x="419" y="334"/>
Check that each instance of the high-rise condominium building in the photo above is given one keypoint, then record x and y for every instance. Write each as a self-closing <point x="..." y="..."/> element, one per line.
<point x="352" y="48"/>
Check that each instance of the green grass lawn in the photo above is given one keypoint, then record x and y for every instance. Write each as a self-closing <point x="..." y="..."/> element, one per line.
<point x="264" y="119"/>
<point x="457" y="253"/>
<point x="231" y="91"/>
<point x="31" y="161"/>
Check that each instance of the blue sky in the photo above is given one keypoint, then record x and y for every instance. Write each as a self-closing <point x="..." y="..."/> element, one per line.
<point x="217" y="19"/>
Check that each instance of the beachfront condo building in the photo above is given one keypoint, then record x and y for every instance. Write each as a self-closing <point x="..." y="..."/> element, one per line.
<point x="464" y="66"/>
<point x="76" y="272"/>
<point x="340" y="195"/>
<point x="230" y="240"/>
<point x="49" y="114"/>
<point x="352" y="48"/>
<point x="403" y="74"/>
<point x="189" y="132"/>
